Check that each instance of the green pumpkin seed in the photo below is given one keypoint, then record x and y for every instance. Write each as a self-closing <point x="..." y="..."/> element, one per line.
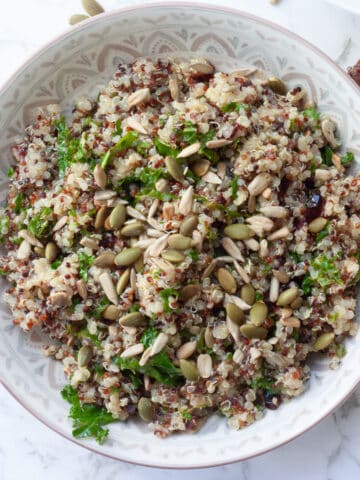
<point x="235" y="313"/>
<point x="128" y="256"/>
<point x="174" y="169"/>
<point x="188" y="225"/>
<point x="84" y="356"/>
<point x="51" y="251"/>
<point x="226" y="280"/>
<point x="146" y="409"/>
<point x="188" y="292"/>
<point x="117" y="217"/>
<point x="132" y="229"/>
<point x="258" y="313"/>
<point x="247" y="293"/>
<point x="139" y="265"/>
<point x="179" y="242"/>
<point x="133" y="319"/>
<point x="277" y="85"/>
<point x="252" y="331"/>
<point x="189" y="370"/>
<point x="323" y="341"/>
<point x="77" y="18"/>
<point x="100" y="218"/>
<point x="92" y="7"/>
<point x="112" y="312"/>
<point x="296" y="303"/>
<point x="40" y="251"/>
<point x="317" y="224"/>
<point x="238" y="231"/>
<point x="287" y="296"/>
<point x="123" y="281"/>
<point x="105" y="260"/>
<point x="172" y="256"/>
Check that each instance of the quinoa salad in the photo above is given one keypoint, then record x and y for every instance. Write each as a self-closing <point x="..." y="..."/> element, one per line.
<point x="185" y="241"/>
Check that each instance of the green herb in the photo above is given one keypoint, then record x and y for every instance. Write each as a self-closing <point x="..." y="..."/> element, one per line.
<point x="258" y="296"/>
<point x="186" y="415"/>
<point x="296" y="335"/>
<point x="97" y="312"/>
<point x="194" y="255"/>
<point x="313" y="166"/>
<point x="265" y="383"/>
<point x="347" y="158"/>
<point x="164" y="149"/>
<point x="118" y="129"/>
<point x="69" y="149"/>
<point x="142" y="148"/>
<point x="234" y="188"/>
<point x="323" y="233"/>
<point x="56" y="263"/>
<point x="2" y="273"/>
<point x="135" y="307"/>
<point x="149" y="336"/>
<point x="125" y="142"/>
<point x="98" y="369"/>
<point x="295" y="256"/>
<point x="201" y="346"/>
<point x="312" y="113"/>
<point x="84" y="333"/>
<point x="88" y="419"/>
<point x="340" y="350"/>
<point x="190" y="133"/>
<point x="165" y="295"/>
<point x="18" y="203"/>
<point x="4" y="226"/>
<point x="327" y="155"/>
<point x="324" y="271"/>
<point x="40" y="225"/>
<point x="10" y="172"/>
<point x="307" y="284"/>
<point x="235" y="106"/>
<point x="85" y="262"/>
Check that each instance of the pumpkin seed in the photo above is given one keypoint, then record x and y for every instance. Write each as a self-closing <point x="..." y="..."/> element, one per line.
<point x="235" y="313"/>
<point x="105" y="260"/>
<point x="277" y="85"/>
<point x="317" y="224"/>
<point x="188" y="292"/>
<point x="77" y="18"/>
<point x="172" y="256"/>
<point x="60" y="299"/>
<point x="146" y="409"/>
<point x="107" y="285"/>
<point x="189" y="370"/>
<point x="179" y="242"/>
<point x="238" y="231"/>
<point x="287" y="296"/>
<point x="204" y="365"/>
<point x="188" y="225"/>
<point x="92" y="7"/>
<point x="132" y="319"/>
<point x="117" y="217"/>
<point x="296" y="303"/>
<point x="186" y="350"/>
<point x="200" y="167"/>
<point x="139" y="265"/>
<point x="123" y="281"/>
<point x="258" y="313"/>
<point x="132" y="229"/>
<point x="128" y="256"/>
<point x="112" y="312"/>
<point x="247" y="293"/>
<point x="323" y="341"/>
<point x="252" y="331"/>
<point x="90" y="243"/>
<point x="174" y="169"/>
<point x="100" y="217"/>
<point x="40" y="251"/>
<point x="51" y="251"/>
<point x="226" y="280"/>
<point x="84" y="356"/>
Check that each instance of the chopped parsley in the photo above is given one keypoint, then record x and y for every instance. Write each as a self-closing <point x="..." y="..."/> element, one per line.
<point x="118" y="129"/>
<point x="18" y="203"/>
<point x="323" y="272"/>
<point x="234" y="188"/>
<point x="327" y="155"/>
<point x="235" y="107"/>
<point x="323" y="233"/>
<point x="347" y="158"/>
<point x="56" y="263"/>
<point x="194" y="255"/>
<point x="10" y="172"/>
<point x="164" y="149"/>
<point x="84" y="333"/>
<point x="69" y="149"/>
<point x="4" y="226"/>
<point x="312" y="114"/>
<point x="295" y="256"/>
<point x="265" y="383"/>
<point x="85" y="262"/>
<point x="88" y="419"/>
<point x="40" y="225"/>
<point x="148" y="336"/>
<point x="165" y="296"/>
<point x="97" y="312"/>
<point x="125" y="142"/>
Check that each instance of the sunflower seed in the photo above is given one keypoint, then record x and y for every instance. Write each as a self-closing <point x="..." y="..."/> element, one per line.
<point x="60" y="223"/>
<point x="263" y="248"/>
<point x="138" y="97"/>
<point x="100" y="177"/>
<point x="189" y="292"/>
<point x="172" y="256"/>
<point x="30" y="238"/>
<point x="211" y="177"/>
<point x="166" y="267"/>
<point x="160" y="342"/>
<point x="186" y="350"/>
<point x="189" y="370"/>
<point x="232" y="249"/>
<point x="132" y="212"/>
<point x="274" y="289"/>
<point x="238" y="301"/>
<point x="186" y="202"/>
<point x="208" y="337"/>
<point x="77" y="18"/>
<point x="323" y="341"/>
<point x="133" y="279"/>
<point x="244" y="71"/>
<point x="133" y="351"/>
<point x="226" y="280"/>
<point x="200" y="167"/>
<point x="81" y="288"/>
<point x="242" y="272"/>
<point x="92" y="7"/>
<point x="153" y="208"/>
<point x="100" y="218"/>
<point x="133" y="229"/>
<point x="103" y="195"/>
<point x="279" y="234"/>
<point x="274" y="211"/>
<point x="259" y="183"/>
<point x="108" y="287"/>
<point x="24" y="250"/>
<point x="188" y="225"/>
<point x="145" y="357"/>
<point x="146" y="409"/>
<point x="221" y="142"/>
<point x="179" y="242"/>
<point x="209" y="269"/>
<point x="252" y="244"/>
<point x="133" y="319"/>
<point x="204" y="365"/>
<point x="157" y="246"/>
<point x="260" y="221"/>
<point x="111" y="312"/>
<point x="233" y="329"/>
<point x="123" y="281"/>
<point x="89" y="243"/>
<point x="328" y="128"/>
<point x="84" y="356"/>
<point x="189" y="150"/>
<point x="60" y="299"/>
<point x="202" y="67"/>
<point x="136" y="125"/>
<point x="290" y="322"/>
<point x="174" y="169"/>
<point x="174" y="88"/>
<point x="128" y="256"/>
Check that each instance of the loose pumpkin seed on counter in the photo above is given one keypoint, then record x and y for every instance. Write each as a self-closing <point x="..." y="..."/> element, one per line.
<point x="184" y="240"/>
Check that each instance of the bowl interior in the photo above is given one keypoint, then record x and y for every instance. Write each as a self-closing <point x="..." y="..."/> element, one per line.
<point x="78" y="62"/>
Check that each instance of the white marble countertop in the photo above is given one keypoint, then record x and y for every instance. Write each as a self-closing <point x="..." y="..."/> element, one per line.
<point x="330" y="451"/>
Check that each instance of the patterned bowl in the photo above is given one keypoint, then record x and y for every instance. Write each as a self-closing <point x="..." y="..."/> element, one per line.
<point x="77" y="62"/>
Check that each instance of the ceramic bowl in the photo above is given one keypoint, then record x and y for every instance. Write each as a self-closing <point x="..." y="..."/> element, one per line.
<point x="77" y="62"/>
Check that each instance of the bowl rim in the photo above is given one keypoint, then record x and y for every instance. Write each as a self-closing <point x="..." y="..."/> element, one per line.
<point x="169" y="4"/>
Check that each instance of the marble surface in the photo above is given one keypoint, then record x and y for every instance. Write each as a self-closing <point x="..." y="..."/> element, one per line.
<point x="330" y="451"/>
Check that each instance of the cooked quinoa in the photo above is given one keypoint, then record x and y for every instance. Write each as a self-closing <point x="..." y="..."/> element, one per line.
<point x="186" y="241"/>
